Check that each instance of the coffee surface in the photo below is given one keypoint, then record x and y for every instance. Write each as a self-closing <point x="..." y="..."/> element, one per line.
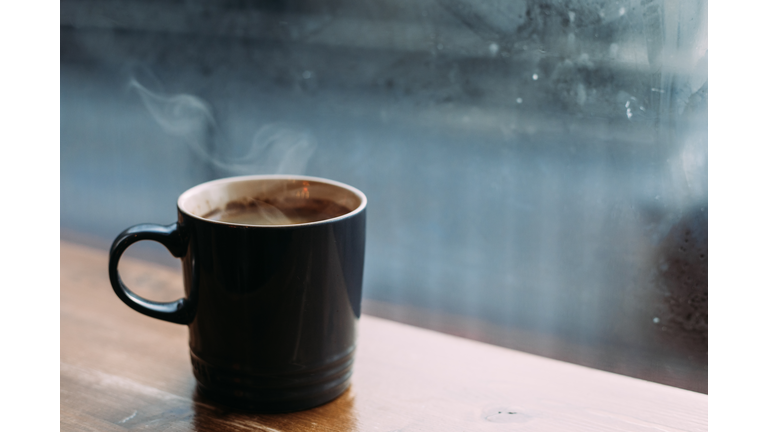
<point x="284" y="211"/>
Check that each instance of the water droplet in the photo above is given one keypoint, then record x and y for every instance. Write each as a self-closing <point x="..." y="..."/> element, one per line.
<point x="493" y="48"/>
<point x="535" y="77"/>
<point x="626" y="105"/>
<point x="655" y="320"/>
<point x="307" y="74"/>
<point x="629" y="113"/>
<point x="519" y="100"/>
<point x="622" y="11"/>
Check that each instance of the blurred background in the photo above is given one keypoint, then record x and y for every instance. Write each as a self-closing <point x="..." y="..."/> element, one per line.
<point x="536" y="169"/>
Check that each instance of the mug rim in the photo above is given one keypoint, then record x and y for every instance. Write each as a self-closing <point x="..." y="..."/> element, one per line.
<point x="196" y="189"/>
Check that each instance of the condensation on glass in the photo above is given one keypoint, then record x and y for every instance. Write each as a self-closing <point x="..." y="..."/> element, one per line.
<point x="537" y="166"/>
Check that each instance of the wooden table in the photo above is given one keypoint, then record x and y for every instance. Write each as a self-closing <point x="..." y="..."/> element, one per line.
<point x="122" y="370"/>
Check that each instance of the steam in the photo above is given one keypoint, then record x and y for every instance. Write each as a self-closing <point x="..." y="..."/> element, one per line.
<point x="285" y="150"/>
<point x="258" y="212"/>
<point x="182" y="115"/>
<point x="275" y="149"/>
<point x="270" y="215"/>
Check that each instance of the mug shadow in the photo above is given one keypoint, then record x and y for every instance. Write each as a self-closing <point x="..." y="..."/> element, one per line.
<point x="338" y="414"/>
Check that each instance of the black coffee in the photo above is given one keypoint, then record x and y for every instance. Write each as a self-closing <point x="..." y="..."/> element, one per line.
<point x="284" y="211"/>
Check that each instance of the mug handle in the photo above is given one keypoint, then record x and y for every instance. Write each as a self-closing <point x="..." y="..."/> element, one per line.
<point x="181" y="311"/>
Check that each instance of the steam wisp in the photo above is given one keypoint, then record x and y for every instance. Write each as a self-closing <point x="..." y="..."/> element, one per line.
<point x="276" y="148"/>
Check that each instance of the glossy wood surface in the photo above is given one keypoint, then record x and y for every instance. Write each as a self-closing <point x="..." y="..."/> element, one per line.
<point x="122" y="370"/>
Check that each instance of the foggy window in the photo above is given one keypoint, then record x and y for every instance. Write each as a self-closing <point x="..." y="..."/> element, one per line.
<point x="536" y="170"/>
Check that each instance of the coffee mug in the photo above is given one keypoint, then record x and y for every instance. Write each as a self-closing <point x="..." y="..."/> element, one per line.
<point x="273" y="272"/>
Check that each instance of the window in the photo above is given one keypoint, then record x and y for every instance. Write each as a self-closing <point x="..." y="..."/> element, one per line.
<point x="536" y="170"/>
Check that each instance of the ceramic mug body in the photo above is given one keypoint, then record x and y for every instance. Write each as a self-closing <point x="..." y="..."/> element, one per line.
<point x="272" y="310"/>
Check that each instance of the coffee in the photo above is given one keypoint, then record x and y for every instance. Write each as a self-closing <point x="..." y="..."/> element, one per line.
<point x="282" y="211"/>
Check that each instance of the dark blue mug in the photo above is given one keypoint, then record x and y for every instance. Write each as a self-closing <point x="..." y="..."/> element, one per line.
<point x="272" y="302"/>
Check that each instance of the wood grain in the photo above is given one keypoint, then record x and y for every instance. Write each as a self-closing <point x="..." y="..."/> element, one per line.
<point x="121" y="370"/>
